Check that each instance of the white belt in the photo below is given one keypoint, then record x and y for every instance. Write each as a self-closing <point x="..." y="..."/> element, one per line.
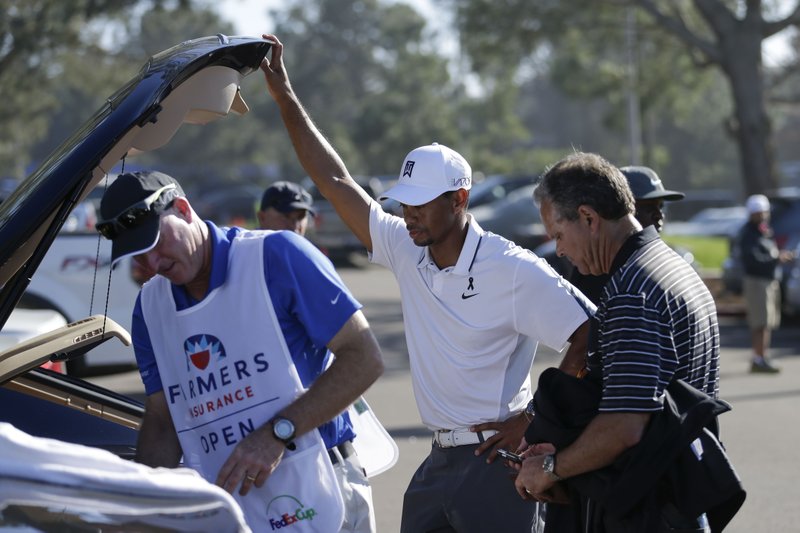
<point x="450" y="438"/>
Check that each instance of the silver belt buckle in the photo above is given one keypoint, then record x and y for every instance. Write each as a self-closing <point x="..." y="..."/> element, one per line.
<point x="444" y="438"/>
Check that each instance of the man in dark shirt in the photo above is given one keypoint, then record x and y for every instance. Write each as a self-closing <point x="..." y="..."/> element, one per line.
<point x="762" y="295"/>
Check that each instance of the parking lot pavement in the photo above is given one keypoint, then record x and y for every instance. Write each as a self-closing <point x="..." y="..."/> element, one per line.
<point x="761" y="431"/>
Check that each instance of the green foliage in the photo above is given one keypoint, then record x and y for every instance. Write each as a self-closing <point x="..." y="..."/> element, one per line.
<point x="577" y="93"/>
<point x="709" y="252"/>
<point x="35" y="33"/>
<point x="365" y="71"/>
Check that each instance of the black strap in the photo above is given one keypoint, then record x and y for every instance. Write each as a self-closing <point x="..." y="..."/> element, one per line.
<point x="346" y="449"/>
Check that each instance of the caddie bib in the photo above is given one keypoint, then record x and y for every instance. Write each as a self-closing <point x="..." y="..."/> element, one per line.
<point x="226" y="371"/>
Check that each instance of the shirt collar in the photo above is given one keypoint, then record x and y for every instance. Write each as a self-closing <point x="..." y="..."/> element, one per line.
<point x="631" y="244"/>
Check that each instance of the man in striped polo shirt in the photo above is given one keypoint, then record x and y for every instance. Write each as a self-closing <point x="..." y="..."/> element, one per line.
<point x="656" y="323"/>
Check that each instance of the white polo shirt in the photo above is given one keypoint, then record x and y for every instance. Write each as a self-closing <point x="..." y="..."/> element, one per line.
<point x="472" y="329"/>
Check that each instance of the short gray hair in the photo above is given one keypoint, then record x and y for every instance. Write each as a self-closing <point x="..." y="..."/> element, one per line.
<point x="585" y="179"/>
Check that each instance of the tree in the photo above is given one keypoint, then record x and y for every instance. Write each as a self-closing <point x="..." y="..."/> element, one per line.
<point x="734" y="45"/>
<point x="34" y="33"/>
<point x="728" y="35"/>
<point x="370" y="78"/>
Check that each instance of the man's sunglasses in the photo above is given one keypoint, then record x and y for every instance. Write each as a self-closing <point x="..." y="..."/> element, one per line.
<point x="132" y="216"/>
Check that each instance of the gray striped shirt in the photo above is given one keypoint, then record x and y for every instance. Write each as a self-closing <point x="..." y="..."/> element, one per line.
<point x="656" y="321"/>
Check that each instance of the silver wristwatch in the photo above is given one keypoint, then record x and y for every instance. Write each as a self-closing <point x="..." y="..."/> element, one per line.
<point x="549" y="466"/>
<point x="283" y="430"/>
<point x="529" y="411"/>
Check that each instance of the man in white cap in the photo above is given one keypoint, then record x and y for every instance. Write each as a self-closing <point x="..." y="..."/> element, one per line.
<point x="760" y="261"/>
<point x="474" y="306"/>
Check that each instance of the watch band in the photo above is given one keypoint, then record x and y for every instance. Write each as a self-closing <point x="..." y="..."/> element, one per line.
<point x="549" y="466"/>
<point x="286" y="439"/>
<point x="529" y="411"/>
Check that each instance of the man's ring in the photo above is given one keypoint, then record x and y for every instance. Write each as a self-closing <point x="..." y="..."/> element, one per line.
<point x="250" y="478"/>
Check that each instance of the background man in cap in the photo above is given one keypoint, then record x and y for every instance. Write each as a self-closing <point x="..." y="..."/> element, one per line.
<point x="762" y="294"/>
<point x="285" y="205"/>
<point x="230" y="338"/>
<point x="474" y="307"/>
<point x="650" y="195"/>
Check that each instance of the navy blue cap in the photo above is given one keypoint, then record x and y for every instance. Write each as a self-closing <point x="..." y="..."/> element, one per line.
<point x="286" y="196"/>
<point x="646" y="185"/>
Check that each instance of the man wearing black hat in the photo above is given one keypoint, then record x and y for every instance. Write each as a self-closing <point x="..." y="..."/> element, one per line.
<point x="650" y="195"/>
<point x="233" y="351"/>
<point x="285" y="205"/>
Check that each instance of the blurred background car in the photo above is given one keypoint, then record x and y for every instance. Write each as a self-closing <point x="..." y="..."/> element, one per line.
<point x="231" y="205"/>
<point x="514" y="216"/>
<point x="72" y="282"/>
<point x="330" y="234"/>
<point x="496" y="187"/>
<point x="791" y="285"/>
<point x="711" y="221"/>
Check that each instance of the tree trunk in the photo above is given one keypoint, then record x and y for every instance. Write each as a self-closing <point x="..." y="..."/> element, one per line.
<point x="740" y="47"/>
<point x="752" y="129"/>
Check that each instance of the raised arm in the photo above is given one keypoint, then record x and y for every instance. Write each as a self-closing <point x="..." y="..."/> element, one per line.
<point x="315" y="153"/>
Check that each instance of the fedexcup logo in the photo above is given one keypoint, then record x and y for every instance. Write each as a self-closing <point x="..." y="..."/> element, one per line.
<point x="202" y="349"/>
<point x="290" y="511"/>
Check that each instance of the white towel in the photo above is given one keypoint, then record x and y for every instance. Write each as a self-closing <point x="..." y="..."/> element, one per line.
<point x="36" y="471"/>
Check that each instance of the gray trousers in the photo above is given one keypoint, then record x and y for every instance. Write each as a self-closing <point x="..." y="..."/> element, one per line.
<point x="455" y="491"/>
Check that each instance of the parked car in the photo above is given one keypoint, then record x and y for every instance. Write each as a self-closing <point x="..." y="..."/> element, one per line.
<point x="495" y="187"/>
<point x="231" y="205"/>
<point x="73" y="281"/>
<point x="328" y="231"/>
<point x="791" y="284"/>
<point x="515" y="217"/>
<point x="196" y="82"/>
<point x="711" y="222"/>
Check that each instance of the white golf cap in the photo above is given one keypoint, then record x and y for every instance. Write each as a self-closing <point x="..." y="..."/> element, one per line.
<point x="757" y="203"/>
<point x="429" y="171"/>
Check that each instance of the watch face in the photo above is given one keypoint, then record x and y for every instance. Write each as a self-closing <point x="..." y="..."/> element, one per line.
<point x="549" y="464"/>
<point x="283" y="428"/>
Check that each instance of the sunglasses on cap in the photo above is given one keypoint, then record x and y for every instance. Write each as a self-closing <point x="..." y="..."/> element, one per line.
<point x="132" y="216"/>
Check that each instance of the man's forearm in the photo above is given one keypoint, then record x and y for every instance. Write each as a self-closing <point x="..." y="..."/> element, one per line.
<point x="313" y="150"/>
<point x="357" y="365"/>
<point x="606" y="437"/>
<point x="157" y="443"/>
<point x="574" y="360"/>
